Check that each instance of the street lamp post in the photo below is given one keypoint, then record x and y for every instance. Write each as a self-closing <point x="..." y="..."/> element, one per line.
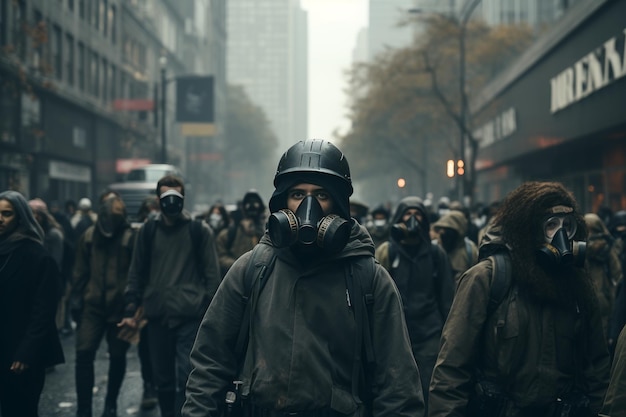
<point x="163" y="63"/>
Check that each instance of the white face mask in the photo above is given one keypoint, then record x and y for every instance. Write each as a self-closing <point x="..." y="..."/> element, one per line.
<point x="215" y="220"/>
<point x="380" y="222"/>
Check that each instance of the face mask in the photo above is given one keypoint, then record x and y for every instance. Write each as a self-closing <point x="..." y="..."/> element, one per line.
<point x="215" y="220"/>
<point x="408" y="231"/>
<point x="309" y="227"/>
<point x="380" y="222"/>
<point x="253" y="210"/>
<point x="448" y="238"/>
<point x="109" y="224"/>
<point x="561" y="251"/>
<point x="171" y="203"/>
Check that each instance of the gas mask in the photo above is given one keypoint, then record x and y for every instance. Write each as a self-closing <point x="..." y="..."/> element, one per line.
<point x="171" y="203"/>
<point x="407" y="232"/>
<point x="309" y="227"/>
<point x="559" y="250"/>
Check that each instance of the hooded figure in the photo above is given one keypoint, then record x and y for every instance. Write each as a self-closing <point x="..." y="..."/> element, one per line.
<point x="237" y="239"/>
<point x="603" y="266"/>
<point x="29" y="282"/>
<point x="421" y="271"/>
<point x="540" y="351"/>
<point x="451" y="231"/>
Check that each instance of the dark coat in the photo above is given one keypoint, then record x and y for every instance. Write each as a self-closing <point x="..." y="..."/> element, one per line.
<point x="302" y="339"/>
<point x="29" y="281"/>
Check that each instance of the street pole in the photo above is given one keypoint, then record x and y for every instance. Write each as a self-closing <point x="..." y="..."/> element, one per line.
<point x="163" y="112"/>
<point x="463" y="97"/>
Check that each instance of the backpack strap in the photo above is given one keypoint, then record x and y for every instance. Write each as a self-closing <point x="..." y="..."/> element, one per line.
<point x="260" y="265"/>
<point x="361" y="296"/>
<point x="500" y="280"/>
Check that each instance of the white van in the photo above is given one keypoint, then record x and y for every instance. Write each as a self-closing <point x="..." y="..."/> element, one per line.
<point x="140" y="183"/>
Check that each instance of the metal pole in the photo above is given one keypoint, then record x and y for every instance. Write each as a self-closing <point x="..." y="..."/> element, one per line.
<point x="163" y="116"/>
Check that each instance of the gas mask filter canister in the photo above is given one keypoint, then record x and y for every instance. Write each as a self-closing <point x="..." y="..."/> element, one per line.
<point x="309" y="226"/>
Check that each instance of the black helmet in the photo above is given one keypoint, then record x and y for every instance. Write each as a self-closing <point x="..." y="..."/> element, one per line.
<point x="314" y="161"/>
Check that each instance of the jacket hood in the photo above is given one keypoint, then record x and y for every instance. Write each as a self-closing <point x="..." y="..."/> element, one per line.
<point x="595" y="225"/>
<point x="407" y="203"/>
<point x="359" y="244"/>
<point x="455" y="220"/>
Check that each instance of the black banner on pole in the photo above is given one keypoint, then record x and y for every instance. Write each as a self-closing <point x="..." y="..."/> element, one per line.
<point x="194" y="99"/>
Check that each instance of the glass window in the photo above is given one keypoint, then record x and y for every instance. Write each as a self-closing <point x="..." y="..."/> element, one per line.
<point x="105" y="80"/>
<point x="57" y="52"/>
<point x="18" y="38"/>
<point x="69" y="59"/>
<point x="80" y="67"/>
<point x="112" y="25"/>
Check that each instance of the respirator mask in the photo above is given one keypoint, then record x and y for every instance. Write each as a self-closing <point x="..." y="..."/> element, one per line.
<point x="171" y="203"/>
<point x="560" y="249"/>
<point x="110" y="218"/>
<point x="407" y="232"/>
<point x="309" y="227"/>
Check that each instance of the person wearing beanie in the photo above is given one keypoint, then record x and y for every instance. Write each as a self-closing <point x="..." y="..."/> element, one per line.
<point x="295" y="347"/>
<point x="83" y="218"/>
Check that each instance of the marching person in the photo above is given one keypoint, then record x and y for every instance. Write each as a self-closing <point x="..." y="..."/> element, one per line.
<point x="29" y="293"/>
<point x="309" y="321"/>
<point x="524" y="335"/>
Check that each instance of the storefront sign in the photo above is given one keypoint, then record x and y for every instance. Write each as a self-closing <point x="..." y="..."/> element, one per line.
<point x="72" y="172"/>
<point x="505" y="124"/>
<point x="592" y="72"/>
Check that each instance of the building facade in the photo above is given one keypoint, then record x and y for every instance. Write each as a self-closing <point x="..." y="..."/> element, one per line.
<point x="558" y="113"/>
<point x="79" y="84"/>
<point x="267" y="55"/>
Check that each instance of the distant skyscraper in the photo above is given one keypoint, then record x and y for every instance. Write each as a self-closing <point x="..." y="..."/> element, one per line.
<point x="360" y="52"/>
<point x="384" y="16"/>
<point x="267" y="54"/>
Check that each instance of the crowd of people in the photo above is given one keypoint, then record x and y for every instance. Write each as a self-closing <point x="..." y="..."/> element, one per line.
<point x="316" y="306"/>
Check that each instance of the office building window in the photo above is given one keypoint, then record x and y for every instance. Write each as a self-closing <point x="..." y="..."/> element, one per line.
<point x="105" y="80"/>
<point x="18" y="38"/>
<point x="57" y="52"/>
<point x="94" y="74"/>
<point x="81" y="9"/>
<point x="70" y="5"/>
<point x="69" y="59"/>
<point x="112" y="25"/>
<point x="113" y="82"/>
<point x="104" y="24"/>
<point x="80" y="66"/>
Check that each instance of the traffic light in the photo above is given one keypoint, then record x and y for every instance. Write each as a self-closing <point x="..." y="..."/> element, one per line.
<point x="450" y="168"/>
<point x="460" y="167"/>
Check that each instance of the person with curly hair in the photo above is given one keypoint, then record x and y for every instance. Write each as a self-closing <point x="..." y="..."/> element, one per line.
<point x="540" y="350"/>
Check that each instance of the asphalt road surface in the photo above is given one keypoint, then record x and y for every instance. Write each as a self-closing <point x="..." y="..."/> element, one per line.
<point x="59" y="394"/>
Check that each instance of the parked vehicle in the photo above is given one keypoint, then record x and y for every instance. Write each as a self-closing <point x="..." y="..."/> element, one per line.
<point x="140" y="183"/>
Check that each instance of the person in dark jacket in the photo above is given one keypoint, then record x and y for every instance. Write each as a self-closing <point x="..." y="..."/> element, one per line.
<point x="303" y="355"/>
<point x="100" y="277"/>
<point x="238" y="238"/>
<point x="422" y="273"/>
<point x="539" y="348"/>
<point x="174" y="278"/>
<point x="29" y="280"/>
<point x="617" y="228"/>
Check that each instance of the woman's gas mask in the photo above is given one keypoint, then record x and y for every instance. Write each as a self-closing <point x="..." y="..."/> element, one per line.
<point x="559" y="249"/>
<point x="408" y="232"/>
<point x="309" y="228"/>
<point x="171" y="203"/>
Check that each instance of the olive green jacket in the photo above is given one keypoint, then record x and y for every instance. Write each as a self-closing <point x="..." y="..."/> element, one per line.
<point x="615" y="400"/>
<point x="533" y="351"/>
<point x="302" y="340"/>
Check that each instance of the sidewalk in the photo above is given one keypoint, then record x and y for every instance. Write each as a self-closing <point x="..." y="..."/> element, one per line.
<point x="59" y="394"/>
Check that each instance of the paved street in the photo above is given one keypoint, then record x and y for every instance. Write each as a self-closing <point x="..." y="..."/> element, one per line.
<point x="59" y="394"/>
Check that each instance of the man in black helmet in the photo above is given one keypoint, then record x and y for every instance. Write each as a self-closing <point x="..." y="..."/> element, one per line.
<point x="173" y="275"/>
<point x="313" y="345"/>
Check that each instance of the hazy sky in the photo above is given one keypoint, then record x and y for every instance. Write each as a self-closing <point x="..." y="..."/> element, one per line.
<point x="333" y="29"/>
